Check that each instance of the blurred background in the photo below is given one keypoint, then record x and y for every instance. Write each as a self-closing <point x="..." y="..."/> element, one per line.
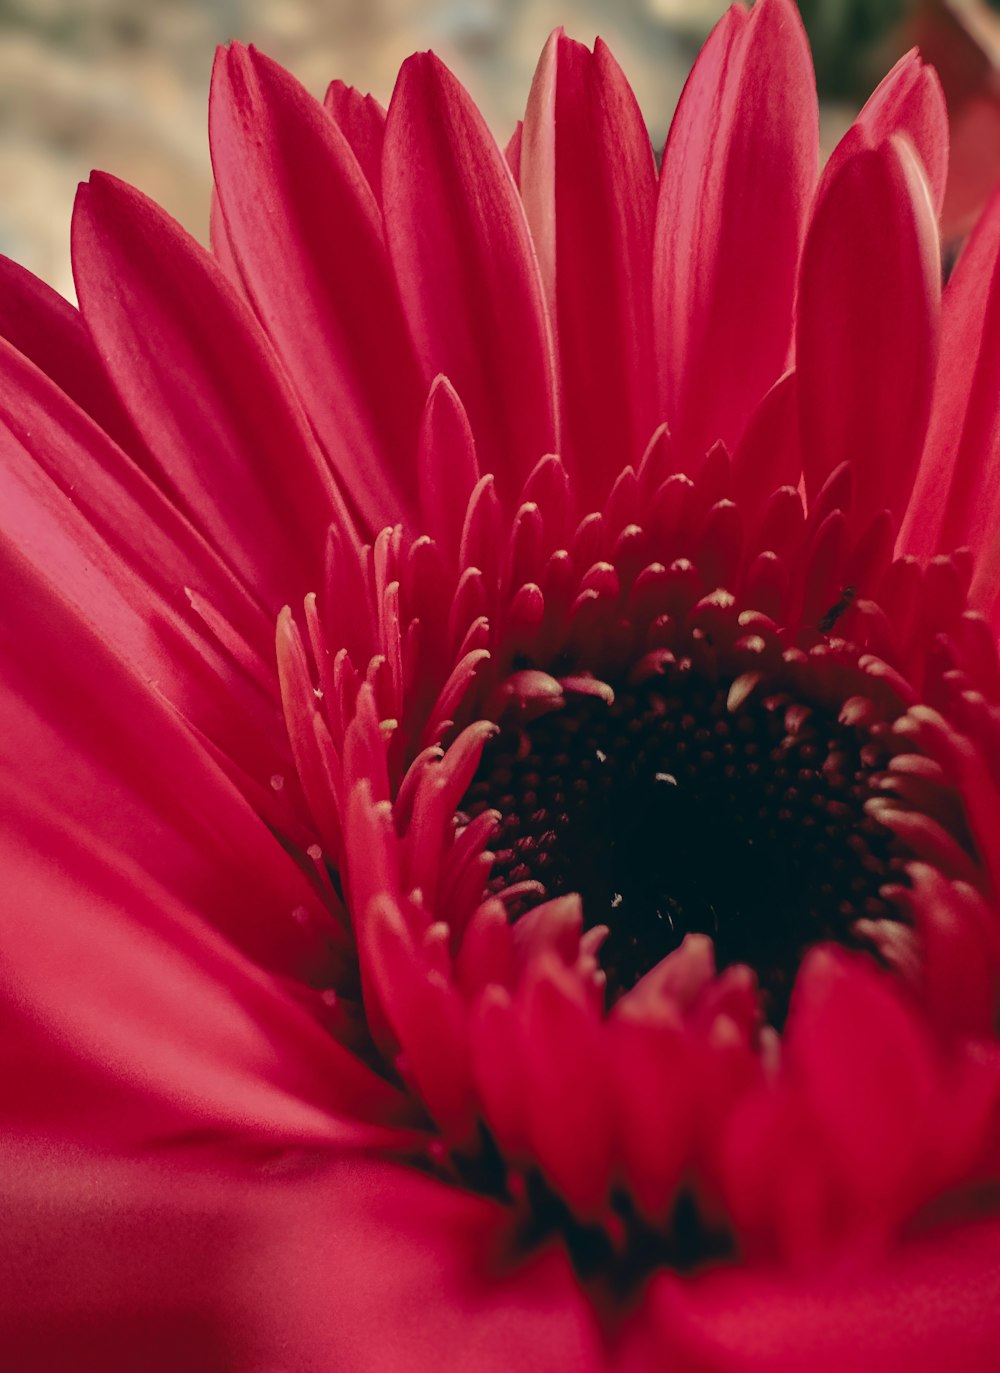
<point x="122" y="85"/>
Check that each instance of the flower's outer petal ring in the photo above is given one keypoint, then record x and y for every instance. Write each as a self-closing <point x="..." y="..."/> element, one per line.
<point x="49" y="331"/>
<point x="588" y="182"/>
<point x="130" y="870"/>
<point x="306" y="233"/>
<point x="956" y="499"/>
<point x="126" y="556"/>
<point x="202" y="386"/>
<point x="867" y="327"/>
<point x="933" y="1303"/>
<point x="908" y="101"/>
<point x="466" y="269"/>
<point x="361" y="119"/>
<point x="370" y="1267"/>
<point x="110" y="1265"/>
<point x="738" y="173"/>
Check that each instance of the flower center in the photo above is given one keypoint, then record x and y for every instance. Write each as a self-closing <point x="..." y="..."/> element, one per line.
<point x="694" y="805"/>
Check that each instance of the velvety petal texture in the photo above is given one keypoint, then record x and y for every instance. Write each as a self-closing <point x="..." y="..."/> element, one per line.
<point x="955" y="501"/>
<point x="588" y="183"/>
<point x="924" y="1311"/>
<point x="867" y="327"/>
<point x="908" y="101"/>
<point x="738" y="172"/>
<point x="369" y="1266"/>
<point x="466" y="269"/>
<point x="145" y="289"/>
<point x="112" y="859"/>
<point x="500" y="760"/>
<point x="311" y="252"/>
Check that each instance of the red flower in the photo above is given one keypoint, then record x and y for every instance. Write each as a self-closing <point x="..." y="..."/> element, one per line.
<point x="962" y="40"/>
<point x="582" y="951"/>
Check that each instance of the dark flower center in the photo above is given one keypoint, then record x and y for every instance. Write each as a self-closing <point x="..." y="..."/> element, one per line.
<point x="681" y="807"/>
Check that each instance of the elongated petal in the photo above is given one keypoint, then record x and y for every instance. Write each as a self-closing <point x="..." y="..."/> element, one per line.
<point x="77" y="509"/>
<point x="306" y="232"/>
<point x="589" y="184"/>
<point x="738" y="172"/>
<point x="867" y="327"/>
<point x="159" y="550"/>
<point x="956" y="499"/>
<point x="129" y="872"/>
<point x="418" y="1277"/>
<point x="222" y="246"/>
<point x="117" y="1031"/>
<point x="110" y="1265"/>
<point x="769" y="454"/>
<point x="200" y="385"/>
<point x="934" y="1304"/>
<point x="908" y="101"/>
<point x="49" y="331"/>
<point x="448" y="466"/>
<point x="361" y="119"/>
<point x="466" y="269"/>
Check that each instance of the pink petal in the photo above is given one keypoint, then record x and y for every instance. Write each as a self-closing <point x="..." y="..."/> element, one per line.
<point x="110" y="1265"/>
<point x="908" y="101"/>
<point x="222" y="244"/>
<point x="127" y="865"/>
<point x="512" y="152"/>
<point x="376" y="1268"/>
<point x="932" y="1304"/>
<point x="466" y="269"/>
<point x="206" y="1261"/>
<point x="588" y="182"/>
<point x="361" y="119"/>
<point x="867" y="1071"/>
<point x="306" y="232"/>
<point x="738" y="172"/>
<point x="448" y="466"/>
<point x="956" y="499"/>
<point x="866" y="337"/>
<point x="769" y="454"/>
<point x="120" y="556"/>
<point x="49" y="331"/>
<point x="200" y="385"/>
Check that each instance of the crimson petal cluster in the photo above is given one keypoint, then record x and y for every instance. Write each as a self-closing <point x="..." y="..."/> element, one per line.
<point x="570" y="485"/>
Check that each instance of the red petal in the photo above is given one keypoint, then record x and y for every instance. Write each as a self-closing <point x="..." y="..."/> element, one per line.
<point x="588" y="182"/>
<point x="123" y="855"/>
<point x="867" y="327"/>
<point x="198" y="381"/>
<point x="956" y="499"/>
<point x="932" y="1304"/>
<point x="222" y="245"/>
<point x="47" y="329"/>
<point x="377" y="1268"/>
<point x="738" y="172"/>
<point x="868" y="1072"/>
<point x="121" y="555"/>
<point x="448" y="467"/>
<point x="959" y="39"/>
<point x="110" y="1265"/>
<point x="512" y="152"/>
<point x="306" y="232"/>
<point x="466" y="268"/>
<point x="908" y="101"/>
<point x="361" y="119"/>
<point x="769" y="454"/>
<point x="209" y="1262"/>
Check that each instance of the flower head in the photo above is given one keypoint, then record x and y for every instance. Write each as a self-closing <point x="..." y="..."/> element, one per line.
<point x="608" y="848"/>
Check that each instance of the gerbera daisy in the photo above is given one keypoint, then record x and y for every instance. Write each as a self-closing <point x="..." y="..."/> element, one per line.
<point x="576" y="944"/>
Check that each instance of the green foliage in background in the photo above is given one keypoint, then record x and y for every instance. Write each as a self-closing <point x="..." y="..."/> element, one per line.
<point x="846" y="37"/>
